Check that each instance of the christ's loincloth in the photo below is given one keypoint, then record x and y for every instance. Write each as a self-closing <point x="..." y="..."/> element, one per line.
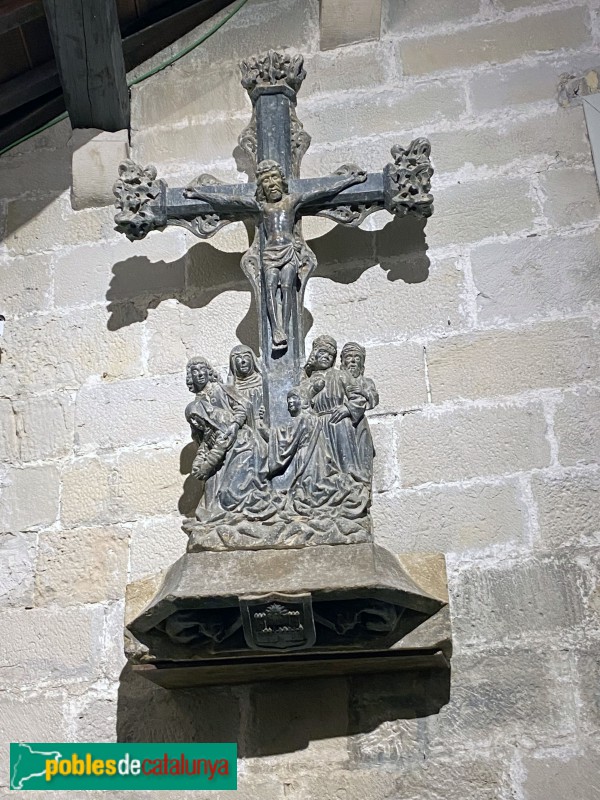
<point x="278" y="256"/>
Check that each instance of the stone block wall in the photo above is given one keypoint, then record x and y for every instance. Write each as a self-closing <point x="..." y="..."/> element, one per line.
<point x="482" y="335"/>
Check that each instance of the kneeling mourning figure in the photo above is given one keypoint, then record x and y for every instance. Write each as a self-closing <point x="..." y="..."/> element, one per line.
<point x="280" y="553"/>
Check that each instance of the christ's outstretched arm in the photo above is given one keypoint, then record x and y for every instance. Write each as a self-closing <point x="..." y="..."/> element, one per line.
<point x="347" y="175"/>
<point x="229" y="203"/>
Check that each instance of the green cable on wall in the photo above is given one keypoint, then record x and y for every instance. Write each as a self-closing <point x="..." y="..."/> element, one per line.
<point x="141" y="78"/>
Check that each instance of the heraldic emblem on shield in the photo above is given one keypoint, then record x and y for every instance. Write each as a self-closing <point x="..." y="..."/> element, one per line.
<point x="278" y="621"/>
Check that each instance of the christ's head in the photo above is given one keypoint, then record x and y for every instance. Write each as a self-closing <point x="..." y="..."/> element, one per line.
<point x="271" y="184"/>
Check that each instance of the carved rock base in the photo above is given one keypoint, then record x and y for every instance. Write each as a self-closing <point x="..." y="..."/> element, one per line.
<point x="239" y="616"/>
<point x="276" y="534"/>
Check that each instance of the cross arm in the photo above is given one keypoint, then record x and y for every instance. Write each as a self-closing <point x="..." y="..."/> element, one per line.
<point x="369" y="192"/>
<point x="316" y="191"/>
<point x="228" y="199"/>
<point x="146" y="203"/>
<point x="403" y="187"/>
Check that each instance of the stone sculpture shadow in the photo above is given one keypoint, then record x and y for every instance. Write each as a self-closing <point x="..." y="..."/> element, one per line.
<point x="196" y="279"/>
<point x="273" y="718"/>
<point x="192" y="489"/>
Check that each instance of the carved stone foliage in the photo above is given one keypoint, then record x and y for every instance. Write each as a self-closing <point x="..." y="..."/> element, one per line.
<point x="408" y="189"/>
<point x="306" y="482"/>
<point x="351" y="215"/>
<point x="135" y="190"/>
<point x="300" y="141"/>
<point x="204" y="225"/>
<point x="273" y="69"/>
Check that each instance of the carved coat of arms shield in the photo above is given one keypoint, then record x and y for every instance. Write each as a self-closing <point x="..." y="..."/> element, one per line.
<point x="278" y="621"/>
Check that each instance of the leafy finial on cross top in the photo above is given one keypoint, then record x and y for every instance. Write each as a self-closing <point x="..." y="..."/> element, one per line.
<point x="273" y="69"/>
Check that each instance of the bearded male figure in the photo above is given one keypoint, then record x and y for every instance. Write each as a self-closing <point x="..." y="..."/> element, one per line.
<point x="352" y="359"/>
<point x="335" y="398"/>
<point x="278" y="213"/>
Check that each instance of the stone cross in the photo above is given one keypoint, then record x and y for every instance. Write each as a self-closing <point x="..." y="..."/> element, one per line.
<point x="279" y="261"/>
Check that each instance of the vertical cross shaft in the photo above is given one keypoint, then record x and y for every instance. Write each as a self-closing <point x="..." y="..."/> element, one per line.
<point x="273" y="138"/>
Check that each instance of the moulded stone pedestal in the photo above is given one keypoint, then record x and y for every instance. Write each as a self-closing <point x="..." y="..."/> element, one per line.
<point x="238" y="616"/>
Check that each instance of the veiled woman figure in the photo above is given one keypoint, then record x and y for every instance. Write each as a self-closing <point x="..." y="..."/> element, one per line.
<point x="352" y="359"/>
<point x="333" y="396"/>
<point x="246" y="378"/>
<point x="231" y="457"/>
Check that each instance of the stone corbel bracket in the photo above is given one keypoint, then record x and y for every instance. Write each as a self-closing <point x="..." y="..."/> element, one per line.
<point x="359" y="605"/>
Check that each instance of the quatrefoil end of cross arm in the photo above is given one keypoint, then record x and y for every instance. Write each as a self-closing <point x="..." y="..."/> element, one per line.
<point x="140" y="200"/>
<point x="407" y="181"/>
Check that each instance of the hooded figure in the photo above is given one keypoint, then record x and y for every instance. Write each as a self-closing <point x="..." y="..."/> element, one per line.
<point x="246" y="378"/>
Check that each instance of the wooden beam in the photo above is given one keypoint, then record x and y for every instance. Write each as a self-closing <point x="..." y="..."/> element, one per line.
<point x="137" y="47"/>
<point x="14" y="13"/>
<point x="30" y="121"/>
<point x="28" y="86"/>
<point x="87" y="45"/>
<point x="167" y="23"/>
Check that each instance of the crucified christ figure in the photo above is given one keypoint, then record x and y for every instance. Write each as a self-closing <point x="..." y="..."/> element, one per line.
<point x="278" y="212"/>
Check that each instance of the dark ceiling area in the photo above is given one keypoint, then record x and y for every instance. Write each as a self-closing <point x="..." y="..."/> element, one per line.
<point x="31" y="31"/>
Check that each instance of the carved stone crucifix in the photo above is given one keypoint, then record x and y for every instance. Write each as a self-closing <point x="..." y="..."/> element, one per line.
<point x="279" y="261"/>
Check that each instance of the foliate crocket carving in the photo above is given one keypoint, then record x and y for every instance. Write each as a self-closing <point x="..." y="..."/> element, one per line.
<point x="273" y="69"/>
<point x="409" y="180"/>
<point x="135" y="191"/>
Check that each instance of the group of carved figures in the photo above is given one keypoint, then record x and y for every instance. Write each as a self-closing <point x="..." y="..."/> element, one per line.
<point x="320" y="463"/>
